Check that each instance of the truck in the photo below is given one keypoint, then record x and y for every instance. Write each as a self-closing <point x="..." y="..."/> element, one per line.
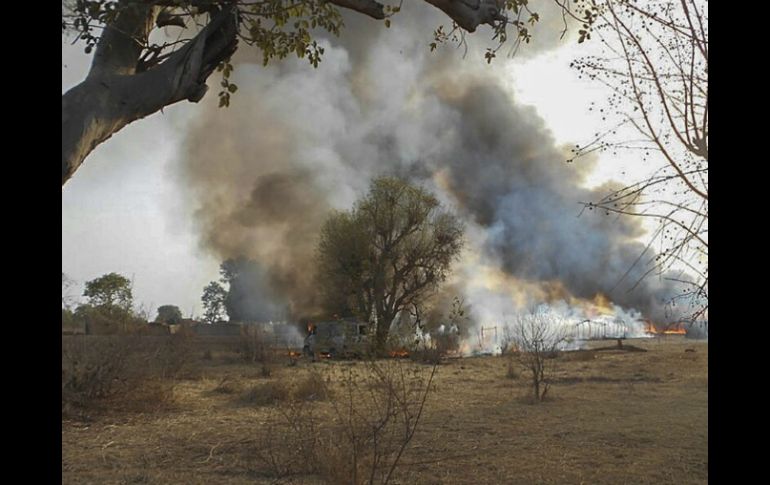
<point x="337" y="338"/>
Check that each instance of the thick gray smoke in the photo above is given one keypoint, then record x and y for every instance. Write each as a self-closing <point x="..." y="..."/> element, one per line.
<point x="297" y="142"/>
<point x="507" y="174"/>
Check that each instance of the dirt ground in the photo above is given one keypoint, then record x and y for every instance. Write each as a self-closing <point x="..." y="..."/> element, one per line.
<point x="612" y="417"/>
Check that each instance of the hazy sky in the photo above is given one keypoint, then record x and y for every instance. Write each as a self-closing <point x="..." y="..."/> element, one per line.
<point x="122" y="210"/>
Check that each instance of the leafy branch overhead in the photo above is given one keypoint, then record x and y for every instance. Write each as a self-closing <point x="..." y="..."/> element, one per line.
<point x="135" y="74"/>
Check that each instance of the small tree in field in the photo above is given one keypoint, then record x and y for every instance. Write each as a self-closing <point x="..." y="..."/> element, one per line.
<point x="535" y="338"/>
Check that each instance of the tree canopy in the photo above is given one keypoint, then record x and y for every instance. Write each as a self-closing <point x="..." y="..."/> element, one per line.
<point x="213" y="300"/>
<point x="391" y="251"/>
<point x="134" y="74"/>
<point x="111" y="291"/>
<point x="169" y="314"/>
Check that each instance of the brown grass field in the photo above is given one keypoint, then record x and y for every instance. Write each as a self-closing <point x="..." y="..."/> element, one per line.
<point x="612" y="417"/>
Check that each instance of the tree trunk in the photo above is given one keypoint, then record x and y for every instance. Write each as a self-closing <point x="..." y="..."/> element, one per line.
<point x="114" y="94"/>
<point x="383" y="330"/>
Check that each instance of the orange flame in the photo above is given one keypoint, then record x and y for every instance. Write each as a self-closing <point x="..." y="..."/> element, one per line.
<point x="399" y="353"/>
<point x="675" y="329"/>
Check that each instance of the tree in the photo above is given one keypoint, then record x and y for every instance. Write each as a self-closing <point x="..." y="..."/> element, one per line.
<point x="110" y="292"/>
<point x="132" y="76"/>
<point x="534" y="339"/>
<point x="169" y="314"/>
<point x="654" y="58"/>
<point x="389" y="253"/>
<point x="213" y="302"/>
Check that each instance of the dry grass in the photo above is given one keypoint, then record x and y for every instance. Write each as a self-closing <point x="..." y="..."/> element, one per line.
<point x="312" y="388"/>
<point x="122" y="373"/>
<point x="265" y="394"/>
<point x="617" y="417"/>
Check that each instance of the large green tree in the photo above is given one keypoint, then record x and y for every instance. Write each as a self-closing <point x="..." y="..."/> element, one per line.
<point x="134" y="75"/>
<point x="109" y="306"/>
<point x="110" y="292"/>
<point x="388" y="254"/>
<point x="170" y="314"/>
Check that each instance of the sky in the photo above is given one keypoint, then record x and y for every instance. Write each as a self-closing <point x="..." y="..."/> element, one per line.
<point x="124" y="211"/>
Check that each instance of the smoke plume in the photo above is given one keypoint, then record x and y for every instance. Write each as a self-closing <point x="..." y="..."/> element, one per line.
<point x="298" y="142"/>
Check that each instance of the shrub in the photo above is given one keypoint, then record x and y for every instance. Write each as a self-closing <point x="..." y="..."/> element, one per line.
<point x="131" y="370"/>
<point x="253" y="345"/>
<point x="512" y="372"/>
<point x="265" y="394"/>
<point x="372" y="423"/>
<point x="312" y="388"/>
<point x="536" y="336"/>
<point x="225" y="386"/>
<point x="92" y="368"/>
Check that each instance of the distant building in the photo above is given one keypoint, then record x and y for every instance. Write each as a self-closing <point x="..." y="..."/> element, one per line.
<point x="217" y="329"/>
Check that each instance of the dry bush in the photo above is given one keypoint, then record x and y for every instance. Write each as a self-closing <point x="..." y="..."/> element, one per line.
<point x="534" y="340"/>
<point x="254" y="347"/>
<point x="225" y="386"/>
<point x="378" y="414"/>
<point x="172" y="357"/>
<point x="265" y="394"/>
<point x="253" y="344"/>
<point x="92" y="368"/>
<point x="511" y="373"/>
<point x="132" y="372"/>
<point x="372" y="422"/>
<point x="312" y="388"/>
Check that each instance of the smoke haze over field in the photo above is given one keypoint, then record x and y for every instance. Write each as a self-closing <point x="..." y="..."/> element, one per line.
<point x="263" y="174"/>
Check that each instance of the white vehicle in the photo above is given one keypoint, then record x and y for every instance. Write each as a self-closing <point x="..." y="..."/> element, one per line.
<point x="338" y="338"/>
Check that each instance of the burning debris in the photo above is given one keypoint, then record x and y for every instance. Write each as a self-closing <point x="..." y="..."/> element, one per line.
<point x="670" y="329"/>
<point x="401" y="354"/>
